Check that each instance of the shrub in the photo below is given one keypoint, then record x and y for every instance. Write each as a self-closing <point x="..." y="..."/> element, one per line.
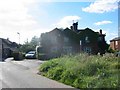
<point x="68" y="77"/>
<point x="110" y="50"/>
<point x="18" y="56"/>
<point x="83" y="71"/>
<point x="77" y="82"/>
<point x="49" y="65"/>
<point x="55" y="73"/>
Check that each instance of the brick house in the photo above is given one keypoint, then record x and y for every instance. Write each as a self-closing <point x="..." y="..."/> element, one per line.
<point x="73" y="40"/>
<point x="7" y="48"/>
<point x="115" y="44"/>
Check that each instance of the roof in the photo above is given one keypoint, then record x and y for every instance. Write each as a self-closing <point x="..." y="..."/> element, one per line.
<point x="54" y="31"/>
<point x="115" y="39"/>
<point x="9" y="43"/>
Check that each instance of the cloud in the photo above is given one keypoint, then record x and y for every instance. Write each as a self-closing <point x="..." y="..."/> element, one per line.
<point x="101" y="6"/>
<point x="67" y="21"/>
<point x="14" y="13"/>
<point x="15" y="17"/>
<point x="102" y="23"/>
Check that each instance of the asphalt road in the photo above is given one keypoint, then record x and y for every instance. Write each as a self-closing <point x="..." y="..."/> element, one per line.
<point x="23" y="74"/>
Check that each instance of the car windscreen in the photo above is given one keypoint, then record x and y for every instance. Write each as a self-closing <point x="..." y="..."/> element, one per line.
<point x="31" y="52"/>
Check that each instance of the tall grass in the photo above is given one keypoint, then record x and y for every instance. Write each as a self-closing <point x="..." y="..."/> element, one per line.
<point x="83" y="71"/>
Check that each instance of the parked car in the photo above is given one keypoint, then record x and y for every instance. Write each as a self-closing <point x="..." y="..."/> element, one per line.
<point x="30" y="55"/>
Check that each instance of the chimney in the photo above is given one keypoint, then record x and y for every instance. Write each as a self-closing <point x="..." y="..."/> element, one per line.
<point x="71" y="27"/>
<point x="7" y="38"/>
<point x="100" y="31"/>
<point x="75" y="26"/>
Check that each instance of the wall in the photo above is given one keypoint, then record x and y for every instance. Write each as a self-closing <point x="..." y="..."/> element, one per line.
<point x="119" y="45"/>
<point x="0" y="49"/>
<point x="112" y="45"/>
<point x="115" y="45"/>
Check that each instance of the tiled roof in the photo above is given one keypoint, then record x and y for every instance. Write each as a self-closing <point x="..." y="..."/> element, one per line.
<point x="117" y="38"/>
<point x="8" y="42"/>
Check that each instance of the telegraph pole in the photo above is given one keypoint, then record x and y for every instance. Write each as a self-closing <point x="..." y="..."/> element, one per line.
<point x="19" y="37"/>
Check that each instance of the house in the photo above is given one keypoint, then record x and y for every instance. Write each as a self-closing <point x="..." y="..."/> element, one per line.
<point x="7" y="48"/>
<point x="73" y="40"/>
<point x="115" y="43"/>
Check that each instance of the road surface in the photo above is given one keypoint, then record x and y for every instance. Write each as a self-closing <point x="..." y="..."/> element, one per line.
<point x="23" y="74"/>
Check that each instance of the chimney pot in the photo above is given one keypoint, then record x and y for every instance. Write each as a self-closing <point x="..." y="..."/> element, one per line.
<point x="75" y="26"/>
<point x="71" y="27"/>
<point x="100" y="31"/>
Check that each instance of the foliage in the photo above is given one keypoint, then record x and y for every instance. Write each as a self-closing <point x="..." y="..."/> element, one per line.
<point x="55" y="73"/>
<point x="18" y="56"/>
<point x="30" y="46"/>
<point x="49" y="65"/>
<point x="110" y="50"/>
<point x="84" y="71"/>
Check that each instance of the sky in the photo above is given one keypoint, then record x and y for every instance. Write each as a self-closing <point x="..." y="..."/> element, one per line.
<point x="27" y="18"/>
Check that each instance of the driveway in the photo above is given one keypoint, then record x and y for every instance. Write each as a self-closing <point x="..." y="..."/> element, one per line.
<point x="23" y="74"/>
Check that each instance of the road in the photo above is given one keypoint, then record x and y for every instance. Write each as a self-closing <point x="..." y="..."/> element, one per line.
<point x="23" y="74"/>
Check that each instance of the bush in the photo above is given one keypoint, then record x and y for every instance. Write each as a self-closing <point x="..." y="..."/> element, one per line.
<point x="18" y="56"/>
<point x="49" y="65"/>
<point x="68" y="77"/>
<point x="55" y="73"/>
<point x="83" y="71"/>
<point x="110" y="50"/>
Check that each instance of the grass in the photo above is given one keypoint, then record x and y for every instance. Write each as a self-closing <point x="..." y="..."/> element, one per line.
<point x="83" y="71"/>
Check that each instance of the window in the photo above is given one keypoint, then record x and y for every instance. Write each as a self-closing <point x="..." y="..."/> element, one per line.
<point x="86" y="39"/>
<point x="67" y="49"/>
<point x="66" y="39"/>
<point x="80" y="42"/>
<point x="116" y="42"/>
<point x="87" y="49"/>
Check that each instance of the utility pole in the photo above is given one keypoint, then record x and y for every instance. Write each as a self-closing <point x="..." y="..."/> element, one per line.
<point x="19" y="37"/>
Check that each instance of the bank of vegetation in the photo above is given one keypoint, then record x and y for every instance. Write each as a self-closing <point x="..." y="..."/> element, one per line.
<point x="84" y="71"/>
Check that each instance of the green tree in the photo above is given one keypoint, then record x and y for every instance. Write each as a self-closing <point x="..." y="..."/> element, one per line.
<point x="34" y="41"/>
<point x="28" y="46"/>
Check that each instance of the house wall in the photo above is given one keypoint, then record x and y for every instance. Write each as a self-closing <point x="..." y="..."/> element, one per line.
<point x="0" y="49"/>
<point x="6" y="51"/>
<point x="67" y="41"/>
<point x="119" y="45"/>
<point x="115" y="45"/>
<point x="89" y="41"/>
<point x="91" y="48"/>
<point x="5" y="45"/>
<point x="112" y="45"/>
<point x="6" y="48"/>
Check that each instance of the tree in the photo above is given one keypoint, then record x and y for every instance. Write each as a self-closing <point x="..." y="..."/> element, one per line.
<point x="35" y="41"/>
<point x="29" y="46"/>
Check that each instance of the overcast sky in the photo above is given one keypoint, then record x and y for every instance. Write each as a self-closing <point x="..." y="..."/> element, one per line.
<point x="33" y="17"/>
